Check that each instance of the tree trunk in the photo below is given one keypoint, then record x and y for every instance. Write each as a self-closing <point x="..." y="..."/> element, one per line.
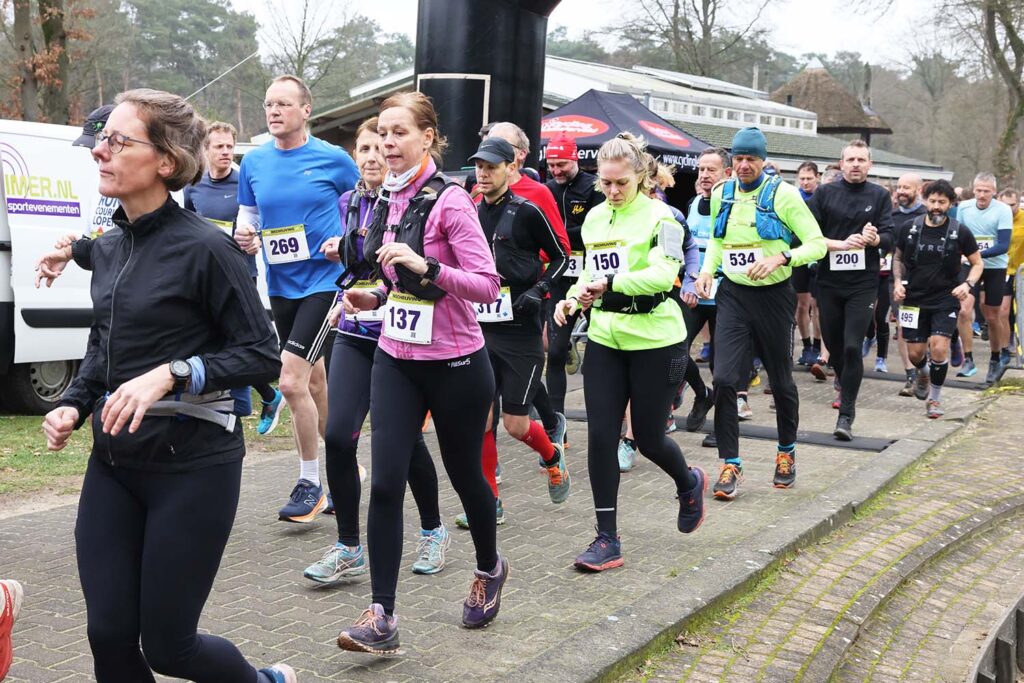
<point x="99" y="85"/>
<point x="238" y="112"/>
<point x="55" y="95"/>
<point x="26" y="56"/>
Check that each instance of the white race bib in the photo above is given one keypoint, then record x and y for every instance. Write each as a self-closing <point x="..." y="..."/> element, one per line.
<point x="226" y="226"/>
<point x="908" y="317"/>
<point x="377" y="314"/>
<point x="737" y="258"/>
<point x="498" y="311"/>
<point x="408" y="319"/>
<point x="574" y="264"/>
<point x="846" y="260"/>
<point x="885" y="263"/>
<point x="985" y="244"/>
<point x="286" y="245"/>
<point x="606" y="258"/>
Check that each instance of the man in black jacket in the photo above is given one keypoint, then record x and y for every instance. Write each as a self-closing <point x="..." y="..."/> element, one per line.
<point x="856" y="219"/>
<point x="908" y="207"/>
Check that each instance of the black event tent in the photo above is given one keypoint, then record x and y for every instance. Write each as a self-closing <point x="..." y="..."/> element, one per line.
<point x="596" y="117"/>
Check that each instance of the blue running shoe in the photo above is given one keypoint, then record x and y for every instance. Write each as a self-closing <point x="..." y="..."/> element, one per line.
<point x="691" y="503"/>
<point x="880" y="365"/>
<point x="627" y="456"/>
<point x="808" y="356"/>
<point x="280" y="673"/>
<point x="705" y="353"/>
<point x="329" y="510"/>
<point x="976" y="328"/>
<point x="374" y="632"/>
<point x="497" y="473"/>
<point x="433" y="545"/>
<point x="956" y="354"/>
<point x="270" y="415"/>
<point x="484" y="601"/>
<point x="865" y="349"/>
<point x="968" y="369"/>
<point x="558" y="477"/>
<point x="338" y="562"/>
<point x="605" y="552"/>
<point x="1005" y="357"/>
<point x="304" y="504"/>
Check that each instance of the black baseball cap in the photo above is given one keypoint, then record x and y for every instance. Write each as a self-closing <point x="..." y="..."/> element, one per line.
<point x="94" y="123"/>
<point x="495" y="151"/>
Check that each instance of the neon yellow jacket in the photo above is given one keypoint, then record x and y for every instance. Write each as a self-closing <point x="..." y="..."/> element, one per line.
<point x="648" y="270"/>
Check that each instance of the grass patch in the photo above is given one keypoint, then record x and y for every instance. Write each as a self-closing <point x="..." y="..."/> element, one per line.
<point x="26" y="465"/>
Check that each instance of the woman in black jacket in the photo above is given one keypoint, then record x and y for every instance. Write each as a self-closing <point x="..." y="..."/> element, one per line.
<point x="177" y="324"/>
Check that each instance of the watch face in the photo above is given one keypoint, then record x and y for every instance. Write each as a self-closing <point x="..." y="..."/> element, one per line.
<point x="180" y="368"/>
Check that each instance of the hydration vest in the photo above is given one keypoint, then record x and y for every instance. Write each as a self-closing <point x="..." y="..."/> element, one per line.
<point x="769" y="225"/>
<point x="408" y="231"/>
<point x="516" y="266"/>
<point x="950" y="245"/>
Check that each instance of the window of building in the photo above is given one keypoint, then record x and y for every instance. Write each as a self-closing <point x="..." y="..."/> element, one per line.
<point x="717" y="113"/>
<point x="699" y="110"/>
<point x="794" y="123"/>
<point x="808" y="125"/>
<point x="659" y="104"/>
<point x="766" y="120"/>
<point x="679" y="107"/>
<point x="732" y="115"/>
<point x="780" y="121"/>
<point x="749" y="117"/>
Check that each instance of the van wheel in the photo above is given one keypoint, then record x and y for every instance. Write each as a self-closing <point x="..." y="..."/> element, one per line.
<point x="35" y="388"/>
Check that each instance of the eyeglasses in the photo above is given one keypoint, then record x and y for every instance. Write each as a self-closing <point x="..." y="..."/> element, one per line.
<point x="278" y="105"/>
<point x="116" y="141"/>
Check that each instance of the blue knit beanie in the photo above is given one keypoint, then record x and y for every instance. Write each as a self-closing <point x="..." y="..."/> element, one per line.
<point x="750" y="141"/>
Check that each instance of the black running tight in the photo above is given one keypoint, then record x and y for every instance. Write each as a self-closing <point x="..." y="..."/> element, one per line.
<point x="879" y="325"/>
<point x="845" y="315"/>
<point x="348" y="401"/>
<point x="458" y="393"/>
<point x="149" y="545"/>
<point x="558" y="347"/>
<point x="647" y="380"/>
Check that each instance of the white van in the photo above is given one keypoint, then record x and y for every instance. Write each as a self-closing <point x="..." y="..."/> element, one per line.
<point x="49" y="189"/>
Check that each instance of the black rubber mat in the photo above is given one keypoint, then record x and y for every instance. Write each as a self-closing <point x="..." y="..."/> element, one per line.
<point x="750" y="431"/>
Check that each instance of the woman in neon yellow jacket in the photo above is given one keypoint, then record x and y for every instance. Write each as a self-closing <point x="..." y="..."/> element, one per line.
<point x="635" y="352"/>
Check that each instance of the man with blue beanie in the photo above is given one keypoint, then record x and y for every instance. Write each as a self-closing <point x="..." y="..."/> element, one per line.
<point x="755" y="218"/>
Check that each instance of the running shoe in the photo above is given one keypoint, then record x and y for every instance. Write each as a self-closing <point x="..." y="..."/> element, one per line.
<point x="329" y="509"/>
<point x="837" y="401"/>
<point x="11" y="597"/>
<point x="807" y="356"/>
<point x="710" y="441"/>
<point x="374" y="632"/>
<point x="1005" y="358"/>
<point x="699" y="412"/>
<point x="984" y="331"/>
<point x="969" y="369"/>
<point x="433" y="545"/>
<point x="484" y="601"/>
<point x="755" y="379"/>
<point x="605" y="552"/>
<point x="956" y="354"/>
<point x="280" y="673"/>
<point x="557" y="434"/>
<point x="338" y="562"/>
<point x="558" y="478"/>
<point x="462" y="521"/>
<point x="880" y="365"/>
<point x="866" y="347"/>
<point x="818" y="370"/>
<point x="670" y="424"/>
<point x="844" y="428"/>
<point x="976" y="328"/>
<point x="993" y="371"/>
<point x="497" y="473"/>
<point x="743" y="408"/>
<point x="304" y="504"/>
<point x="729" y="478"/>
<point x="270" y="415"/>
<point x="785" y="471"/>
<point x="933" y="409"/>
<point x="691" y="503"/>
<point x="572" y="362"/>
<point x="677" y="400"/>
<point x="921" y="383"/>
<point x="705" y="353"/>
<point x="627" y="456"/>
<point x="908" y="388"/>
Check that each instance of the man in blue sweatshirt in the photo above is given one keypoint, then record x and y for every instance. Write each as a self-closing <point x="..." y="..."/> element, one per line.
<point x="991" y="223"/>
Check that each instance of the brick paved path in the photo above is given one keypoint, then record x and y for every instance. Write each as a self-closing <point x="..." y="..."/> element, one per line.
<point x="907" y="592"/>
<point x="555" y="624"/>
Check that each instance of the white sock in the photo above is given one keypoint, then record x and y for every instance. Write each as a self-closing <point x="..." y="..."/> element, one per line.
<point x="310" y="470"/>
<point x="934" y="392"/>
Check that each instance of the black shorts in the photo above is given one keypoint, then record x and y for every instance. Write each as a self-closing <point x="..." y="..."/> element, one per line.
<point x="992" y="284"/>
<point x="803" y="280"/>
<point x="518" y="361"/>
<point x="1009" y="286"/>
<point x="932" y="320"/>
<point x="302" y="324"/>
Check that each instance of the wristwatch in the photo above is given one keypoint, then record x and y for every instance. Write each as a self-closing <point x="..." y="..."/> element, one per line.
<point x="788" y="256"/>
<point x="181" y="371"/>
<point x="433" y="269"/>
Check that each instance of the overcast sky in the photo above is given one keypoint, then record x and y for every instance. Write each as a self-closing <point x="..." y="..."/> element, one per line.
<point x="796" y="26"/>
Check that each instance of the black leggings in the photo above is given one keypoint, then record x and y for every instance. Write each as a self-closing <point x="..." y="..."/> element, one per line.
<point x="647" y="380"/>
<point x="844" y="315"/>
<point x="754" y="321"/>
<point x="558" y="346"/>
<point x="149" y="545"/>
<point x="879" y="325"/>
<point x="695" y="318"/>
<point x="458" y="393"/>
<point x="348" y="401"/>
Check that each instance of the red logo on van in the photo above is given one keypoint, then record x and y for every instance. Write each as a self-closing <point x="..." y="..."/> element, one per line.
<point x="573" y="125"/>
<point x="666" y="134"/>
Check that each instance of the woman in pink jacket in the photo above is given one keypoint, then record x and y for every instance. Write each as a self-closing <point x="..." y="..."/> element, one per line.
<point x="426" y="239"/>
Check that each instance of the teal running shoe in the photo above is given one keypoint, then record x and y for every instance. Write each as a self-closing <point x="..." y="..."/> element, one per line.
<point x="338" y="562"/>
<point x="271" y="414"/>
<point x="432" y="547"/>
